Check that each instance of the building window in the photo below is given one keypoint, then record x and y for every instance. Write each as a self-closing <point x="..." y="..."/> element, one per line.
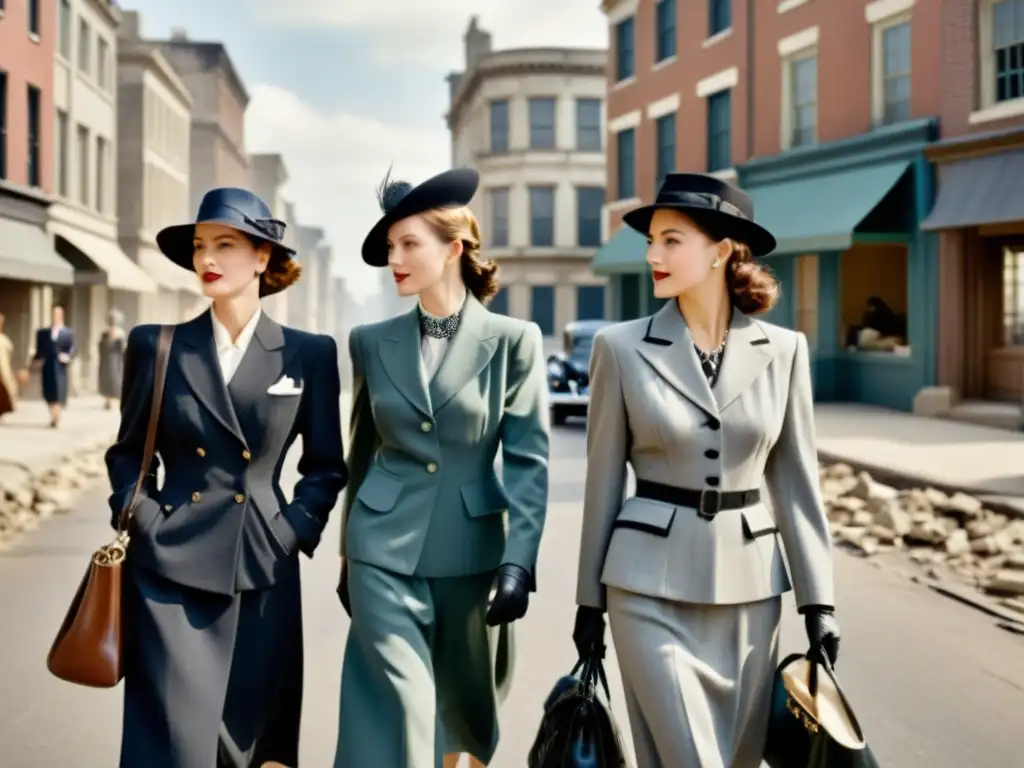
<point x="626" y="174"/>
<point x="719" y="16"/>
<point x="35" y="178"/>
<point x="83" y="164"/>
<point x="665" y="30"/>
<point x="499" y="217"/>
<point x="1013" y="297"/>
<point x="665" y="160"/>
<point x="895" y="85"/>
<point x="589" y="201"/>
<point x="590" y="302"/>
<point x="102" y="153"/>
<point x="625" y="50"/>
<point x="720" y="131"/>
<point x="804" y="100"/>
<point x="588" y="125"/>
<point x="1008" y="47"/>
<point x="61" y="150"/>
<point x="542" y="123"/>
<point x="542" y="308"/>
<point x="83" y="46"/>
<point x="499" y="126"/>
<point x="629" y="297"/>
<point x="499" y="302"/>
<point x="33" y="18"/>
<point x="3" y="124"/>
<point x="102" y="57"/>
<point x="64" y="28"/>
<point x="542" y="216"/>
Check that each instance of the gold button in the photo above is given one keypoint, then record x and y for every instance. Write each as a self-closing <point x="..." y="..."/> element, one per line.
<point x="239" y="497"/>
<point x="196" y="497"/>
<point x="431" y="467"/>
<point x="246" y="455"/>
<point x="200" y="452"/>
<point x="426" y="426"/>
<point x="168" y="508"/>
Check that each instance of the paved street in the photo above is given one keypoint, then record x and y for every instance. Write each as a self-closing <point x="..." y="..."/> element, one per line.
<point x="935" y="683"/>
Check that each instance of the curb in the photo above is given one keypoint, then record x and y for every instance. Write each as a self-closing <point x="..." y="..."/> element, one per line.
<point x="1008" y="505"/>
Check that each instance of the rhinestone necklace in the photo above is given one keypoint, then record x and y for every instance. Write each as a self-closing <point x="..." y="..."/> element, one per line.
<point x="439" y="327"/>
<point x="710" y="362"/>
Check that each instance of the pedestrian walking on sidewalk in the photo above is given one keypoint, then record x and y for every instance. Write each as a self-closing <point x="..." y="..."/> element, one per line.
<point x="705" y="402"/>
<point x="55" y="348"/>
<point x="435" y="391"/>
<point x="213" y="657"/>
<point x="111" y="356"/>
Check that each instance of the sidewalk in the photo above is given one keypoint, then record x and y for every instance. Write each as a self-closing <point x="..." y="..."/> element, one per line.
<point x="28" y="446"/>
<point x="912" y="450"/>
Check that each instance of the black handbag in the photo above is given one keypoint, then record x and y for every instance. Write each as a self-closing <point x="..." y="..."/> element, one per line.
<point x="578" y="730"/>
<point x="812" y="724"/>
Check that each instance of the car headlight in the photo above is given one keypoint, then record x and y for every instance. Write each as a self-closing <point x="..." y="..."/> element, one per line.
<point x="555" y="370"/>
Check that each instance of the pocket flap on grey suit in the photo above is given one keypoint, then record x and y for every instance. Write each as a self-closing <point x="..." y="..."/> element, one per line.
<point x="483" y="499"/>
<point x="757" y="522"/>
<point x="647" y="516"/>
<point x="379" y="492"/>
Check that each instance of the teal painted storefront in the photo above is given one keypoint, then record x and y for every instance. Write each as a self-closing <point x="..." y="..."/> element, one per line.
<point x="820" y="201"/>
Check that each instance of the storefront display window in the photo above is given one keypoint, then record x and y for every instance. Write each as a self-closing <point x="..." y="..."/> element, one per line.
<point x="1013" y="297"/>
<point x="874" y="307"/>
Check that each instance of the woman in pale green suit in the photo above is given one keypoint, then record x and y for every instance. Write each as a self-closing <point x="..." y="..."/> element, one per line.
<point x="437" y="550"/>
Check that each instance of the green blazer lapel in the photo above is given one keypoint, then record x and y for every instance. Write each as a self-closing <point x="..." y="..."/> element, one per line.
<point x="399" y="351"/>
<point x="469" y="351"/>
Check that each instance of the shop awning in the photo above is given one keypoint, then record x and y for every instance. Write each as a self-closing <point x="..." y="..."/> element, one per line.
<point x="626" y="251"/>
<point x="119" y="271"/>
<point x="822" y="213"/>
<point x="167" y="274"/>
<point x="979" y="190"/>
<point x="26" y="253"/>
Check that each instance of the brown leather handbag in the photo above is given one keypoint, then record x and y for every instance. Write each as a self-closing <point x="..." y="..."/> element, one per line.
<point x="88" y="647"/>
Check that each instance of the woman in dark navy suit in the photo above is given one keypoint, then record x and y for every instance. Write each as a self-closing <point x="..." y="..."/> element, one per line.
<point x="55" y="347"/>
<point x="214" y="650"/>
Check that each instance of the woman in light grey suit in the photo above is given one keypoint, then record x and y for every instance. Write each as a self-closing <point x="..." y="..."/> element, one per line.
<point x="429" y="530"/>
<point x="704" y="402"/>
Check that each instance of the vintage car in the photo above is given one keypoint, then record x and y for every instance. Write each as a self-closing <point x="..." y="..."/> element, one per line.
<point x="569" y="372"/>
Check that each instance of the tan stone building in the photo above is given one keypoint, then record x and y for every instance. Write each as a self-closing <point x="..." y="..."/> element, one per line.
<point x="531" y="121"/>
<point x="268" y="175"/>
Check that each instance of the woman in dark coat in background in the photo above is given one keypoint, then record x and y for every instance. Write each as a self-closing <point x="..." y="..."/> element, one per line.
<point x="111" y="349"/>
<point x="55" y="346"/>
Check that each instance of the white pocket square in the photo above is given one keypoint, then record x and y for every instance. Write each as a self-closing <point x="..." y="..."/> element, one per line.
<point x="284" y="386"/>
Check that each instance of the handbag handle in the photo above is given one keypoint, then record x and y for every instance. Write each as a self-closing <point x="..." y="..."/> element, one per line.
<point x="812" y="688"/>
<point x="163" y="353"/>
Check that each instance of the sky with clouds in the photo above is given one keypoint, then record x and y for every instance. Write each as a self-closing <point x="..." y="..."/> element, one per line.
<point x="344" y="88"/>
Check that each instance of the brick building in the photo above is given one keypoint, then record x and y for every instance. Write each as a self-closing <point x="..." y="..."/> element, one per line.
<point x="979" y="211"/>
<point x="29" y="266"/>
<point x="821" y="110"/>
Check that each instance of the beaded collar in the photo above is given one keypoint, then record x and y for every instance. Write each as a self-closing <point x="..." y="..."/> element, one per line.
<point x="438" y="327"/>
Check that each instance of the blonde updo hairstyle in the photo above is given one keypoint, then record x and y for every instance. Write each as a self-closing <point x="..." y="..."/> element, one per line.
<point x="479" y="274"/>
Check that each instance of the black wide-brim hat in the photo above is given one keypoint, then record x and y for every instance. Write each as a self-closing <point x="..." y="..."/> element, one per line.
<point x="231" y="207"/>
<point x="400" y="200"/>
<point x="718" y="207"/>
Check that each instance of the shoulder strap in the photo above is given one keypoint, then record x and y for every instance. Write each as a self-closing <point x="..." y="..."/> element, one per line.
<point x="163" y="353"/>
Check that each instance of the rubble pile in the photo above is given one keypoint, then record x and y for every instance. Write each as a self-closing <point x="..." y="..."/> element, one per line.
<point x="937" y="530"/>
<point x="26" y="500"/>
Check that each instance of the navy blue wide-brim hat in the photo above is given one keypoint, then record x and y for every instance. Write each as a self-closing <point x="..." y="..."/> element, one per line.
<point x="231" y="207"/>
<point x="723" y="210"/>
<point x="400" y="200"/>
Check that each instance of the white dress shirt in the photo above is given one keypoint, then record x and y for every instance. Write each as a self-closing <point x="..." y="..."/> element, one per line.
<point x="230" y="353"/>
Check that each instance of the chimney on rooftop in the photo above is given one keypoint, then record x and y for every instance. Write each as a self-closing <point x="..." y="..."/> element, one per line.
<point x="179" y="34"/>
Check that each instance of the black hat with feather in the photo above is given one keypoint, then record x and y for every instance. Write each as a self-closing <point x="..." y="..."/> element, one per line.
<point x="400" y="200"/>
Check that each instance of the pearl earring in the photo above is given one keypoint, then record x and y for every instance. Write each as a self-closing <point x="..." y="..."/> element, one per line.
<point x="716" y="264"/>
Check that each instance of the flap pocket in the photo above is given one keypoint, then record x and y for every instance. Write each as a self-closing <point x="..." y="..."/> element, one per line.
<point x="646" y="516"/>
<point x="379" y="492"/>
<point x="482" y="499"/>
<point x="757" y="522"/>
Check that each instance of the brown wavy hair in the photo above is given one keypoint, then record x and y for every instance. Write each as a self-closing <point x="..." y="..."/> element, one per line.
<point x="479" y="274"/>
<point x="752" y="287"/>
<point x="281" y="272"/>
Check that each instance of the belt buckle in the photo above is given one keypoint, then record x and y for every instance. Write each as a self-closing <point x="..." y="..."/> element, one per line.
<point x="710" y="503"/>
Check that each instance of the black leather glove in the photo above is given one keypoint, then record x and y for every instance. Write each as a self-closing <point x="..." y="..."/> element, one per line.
<point x="343" y="589"/>
<point x="588" y="632"/>
<point x="822" y="633"/>
<point x="511" y="595"/>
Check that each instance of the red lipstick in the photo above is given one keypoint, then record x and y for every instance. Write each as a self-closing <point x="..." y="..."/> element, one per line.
<point x="211" y="277"/>
<point x="399" y="276"/>
<point x="659" y="275"/>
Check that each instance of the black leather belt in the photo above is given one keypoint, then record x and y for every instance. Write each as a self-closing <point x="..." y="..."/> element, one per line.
<point x="708" y="501"/>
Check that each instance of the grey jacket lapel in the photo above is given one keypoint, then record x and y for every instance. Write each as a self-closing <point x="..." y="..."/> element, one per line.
<point x="667" y="348"/>
<point x="201" y="369"/>
<point x="400" y="355"/>
<point x="747" y="354"/>
<point x="469" y="350"/>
